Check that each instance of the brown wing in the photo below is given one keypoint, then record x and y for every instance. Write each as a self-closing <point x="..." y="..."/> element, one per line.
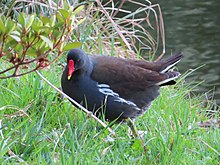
<point x="112" y="70"/>
<point x="129" y="81"/>
<point x="159" y="66"/>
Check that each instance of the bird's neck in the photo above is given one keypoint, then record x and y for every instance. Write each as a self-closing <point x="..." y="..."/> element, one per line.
<point x="85" y="70"/>
<point x="87" y="67"/>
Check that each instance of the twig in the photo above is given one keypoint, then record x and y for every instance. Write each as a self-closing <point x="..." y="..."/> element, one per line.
<point x="114" y="25"/>
<point x="161" y="26"/>
<point x="13" y="155"/>
<point x="77" y="104"/>
<point x="214" y="150"/>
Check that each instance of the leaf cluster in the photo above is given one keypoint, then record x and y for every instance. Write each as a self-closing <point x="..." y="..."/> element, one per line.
<point x="29" y="42"/>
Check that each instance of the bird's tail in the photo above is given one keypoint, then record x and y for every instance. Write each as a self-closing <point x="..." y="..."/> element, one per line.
<point x="170" y="62"/>
<point x="169" y="78"/>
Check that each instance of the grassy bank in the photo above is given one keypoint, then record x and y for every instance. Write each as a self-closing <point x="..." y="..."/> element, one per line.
<point x="37" y="127"/>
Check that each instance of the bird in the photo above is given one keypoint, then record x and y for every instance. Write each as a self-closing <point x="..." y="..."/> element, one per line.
<point x="116" y="88"/>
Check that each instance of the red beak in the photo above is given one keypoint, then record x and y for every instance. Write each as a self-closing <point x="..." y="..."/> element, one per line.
<point x="71" y="68"/>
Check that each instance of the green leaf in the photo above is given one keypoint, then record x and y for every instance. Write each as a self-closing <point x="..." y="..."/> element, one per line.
<point x="59" y="17"/>
<point x="81" y="21"/>
<point x="29" y="21"/>
<point x="9" y="26"/>
<point x="47" y="41"/>
<point x="16" y="38"/>
<point x="58" y="25"/>
<point x="78" y="9"/>
<point x="45" y="20"/>
<point x="18" y="48"/>
<point x="72" y="46"/>
<point x="10" y="43"/>
<point x="36" y="26"/>
<point x="21" y="19"/>
<point x="2" y="26"/>
<point x="64" y="13"/>
<point x="53" y="20"/>
<point x="15" y="33"/>
<point x="3" y="18"/>
<point x="32" y="52"/>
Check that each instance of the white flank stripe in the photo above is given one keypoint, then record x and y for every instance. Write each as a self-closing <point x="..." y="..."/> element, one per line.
<point x="108" y="91"/>
<point x="121" y="100"/>
<point x="103" y="86"/>
<point x="105" y="89"/>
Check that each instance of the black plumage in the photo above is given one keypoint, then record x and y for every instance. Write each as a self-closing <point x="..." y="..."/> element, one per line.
<point x="114" y="87"/>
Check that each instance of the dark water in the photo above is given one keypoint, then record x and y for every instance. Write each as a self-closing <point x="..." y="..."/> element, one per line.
<point x="193" y="27"/>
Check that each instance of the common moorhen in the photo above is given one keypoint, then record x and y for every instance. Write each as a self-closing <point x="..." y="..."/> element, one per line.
<point x="114" y="87"/>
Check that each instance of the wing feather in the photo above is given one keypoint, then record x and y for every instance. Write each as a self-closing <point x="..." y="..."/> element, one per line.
<point x="131" y="82"/>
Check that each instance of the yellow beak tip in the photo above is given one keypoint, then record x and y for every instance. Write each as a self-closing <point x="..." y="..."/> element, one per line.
<point x="68" y="77"/>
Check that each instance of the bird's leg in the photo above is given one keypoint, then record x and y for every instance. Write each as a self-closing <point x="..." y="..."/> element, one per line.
<point x="135" y="133"/>
<point x="133" y="128"/>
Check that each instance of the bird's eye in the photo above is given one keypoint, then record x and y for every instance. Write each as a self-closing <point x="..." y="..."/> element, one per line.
<point x="78" y="60"/>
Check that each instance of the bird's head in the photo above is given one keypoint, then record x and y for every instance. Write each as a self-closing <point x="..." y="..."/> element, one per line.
<point x="76" y="60"/>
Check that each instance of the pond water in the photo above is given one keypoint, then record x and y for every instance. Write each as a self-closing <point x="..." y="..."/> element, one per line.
<point x="193" y="27"/>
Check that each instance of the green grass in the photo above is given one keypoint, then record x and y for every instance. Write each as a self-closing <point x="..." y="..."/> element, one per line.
<point x="38" y="127"/>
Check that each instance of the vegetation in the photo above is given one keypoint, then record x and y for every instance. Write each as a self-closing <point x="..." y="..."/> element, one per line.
<point x="37" y="126"/>
<point x="29" y="41"/>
